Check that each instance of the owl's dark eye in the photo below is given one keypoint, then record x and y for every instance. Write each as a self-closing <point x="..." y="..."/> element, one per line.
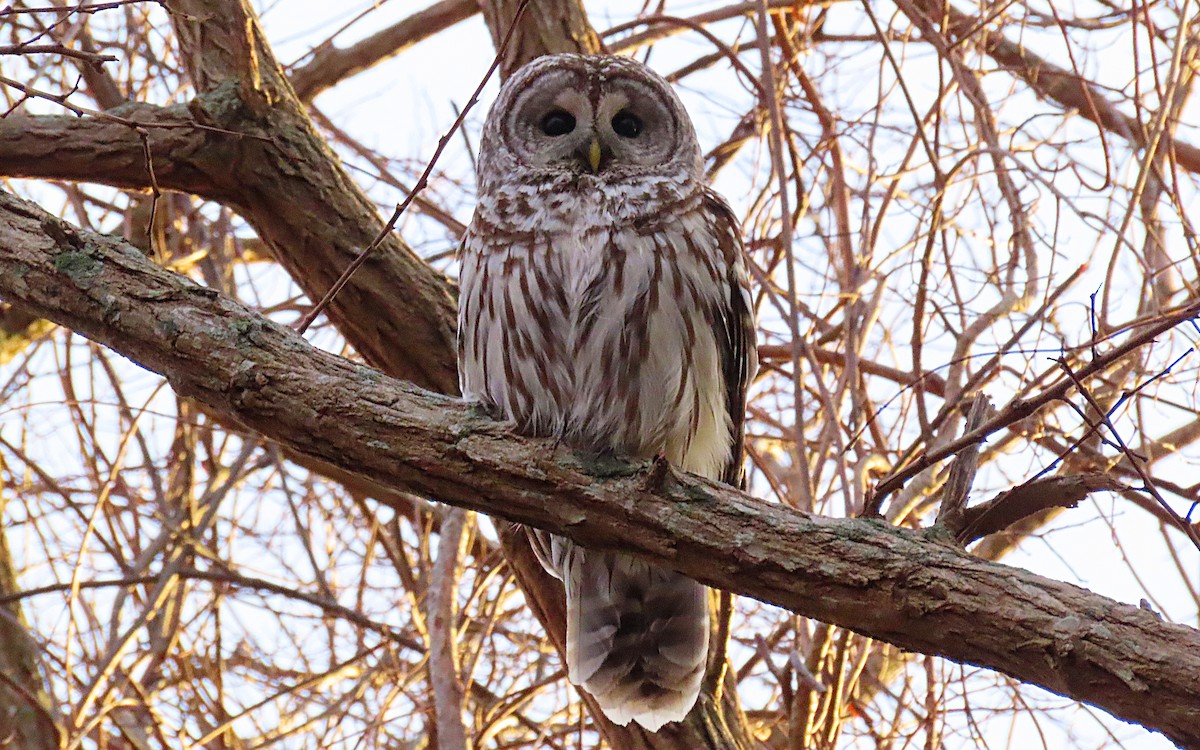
<point x="558" y="123"/>
<point x="626" y="124"/>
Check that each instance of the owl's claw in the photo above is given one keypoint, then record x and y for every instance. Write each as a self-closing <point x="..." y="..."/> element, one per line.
<point x="656" y="475"/>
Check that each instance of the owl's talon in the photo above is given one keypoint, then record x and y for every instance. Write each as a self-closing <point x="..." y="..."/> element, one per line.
<point x="656" y="475"/>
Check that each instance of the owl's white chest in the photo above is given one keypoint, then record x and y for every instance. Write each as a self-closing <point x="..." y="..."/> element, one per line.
<point x="577" y="262"/>
<point x="603" y="337"/>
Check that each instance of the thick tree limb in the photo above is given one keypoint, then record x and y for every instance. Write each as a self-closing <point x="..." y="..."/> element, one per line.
<point x="913" y="589"/>
<point x="281" y="177"/>
<point x="186" y="157"/>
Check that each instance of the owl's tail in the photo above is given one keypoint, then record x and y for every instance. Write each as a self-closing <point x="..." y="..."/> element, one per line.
<point x="637" y="634"/>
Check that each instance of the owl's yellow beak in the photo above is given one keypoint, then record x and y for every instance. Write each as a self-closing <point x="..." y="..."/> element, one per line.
<point x="594" y="155"/>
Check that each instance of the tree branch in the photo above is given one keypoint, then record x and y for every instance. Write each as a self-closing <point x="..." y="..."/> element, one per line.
<point x="546" y="27"/>
<point x="905" y="587"/>
<point x="1050" y="82"/>
<point x="443" y="657"/>
<point x="27" y="715"/>
<point x="1025" y="500"/>
<point x="330" y="65"/>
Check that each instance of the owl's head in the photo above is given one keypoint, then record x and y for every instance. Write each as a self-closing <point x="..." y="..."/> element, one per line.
<point x="606" y="116"/>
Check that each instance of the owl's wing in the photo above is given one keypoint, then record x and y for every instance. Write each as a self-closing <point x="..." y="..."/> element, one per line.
<point x="735" y="329"/>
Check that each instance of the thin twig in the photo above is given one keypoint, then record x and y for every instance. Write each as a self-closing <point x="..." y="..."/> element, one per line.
<point x="57" y="49"/>
<point x="1136" y="461"/>
<point x="1019" y="409"/>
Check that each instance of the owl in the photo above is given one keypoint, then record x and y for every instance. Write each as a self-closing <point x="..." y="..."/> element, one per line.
<point x="604" y="302"/>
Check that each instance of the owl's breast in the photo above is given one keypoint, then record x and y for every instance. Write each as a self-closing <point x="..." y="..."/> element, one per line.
<point x="570" y="202"/>
<point x="604" y="336"/>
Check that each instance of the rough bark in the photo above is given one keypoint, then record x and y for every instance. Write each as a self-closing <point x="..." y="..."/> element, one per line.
<point x="914" y="589"/>
<point x="292" y="188"/>
<point x="546" y="27"/>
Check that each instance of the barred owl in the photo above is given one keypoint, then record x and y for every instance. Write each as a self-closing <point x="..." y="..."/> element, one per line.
<point x="604" y="301"/>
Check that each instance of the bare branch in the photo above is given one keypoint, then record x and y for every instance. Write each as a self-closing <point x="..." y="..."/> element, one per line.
<point x="443" y="657"/>
<point x="957" y="489"/>
<point x="92" y="58"/>
<point x="1021" y="502"/>
<point x="1064" y="87"/>
<point x="330" y="65"/>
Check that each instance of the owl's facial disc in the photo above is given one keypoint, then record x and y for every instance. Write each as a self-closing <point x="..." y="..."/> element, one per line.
<point x="613" y="127"/>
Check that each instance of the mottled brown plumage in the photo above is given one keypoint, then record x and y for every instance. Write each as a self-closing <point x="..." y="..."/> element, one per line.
<point x="604" y="301"/>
